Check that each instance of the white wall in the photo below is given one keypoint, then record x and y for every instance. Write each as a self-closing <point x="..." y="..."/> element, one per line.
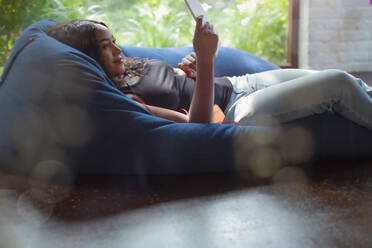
<point x="335" y="34"/>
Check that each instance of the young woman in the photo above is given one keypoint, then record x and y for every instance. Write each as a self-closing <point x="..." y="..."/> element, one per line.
<point x="265" y="98"/>
<point x="94" y="39"/>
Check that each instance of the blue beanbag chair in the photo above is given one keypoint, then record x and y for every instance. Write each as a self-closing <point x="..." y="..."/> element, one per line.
<point x="56" y="103"/>
<point x="229" y="62"/>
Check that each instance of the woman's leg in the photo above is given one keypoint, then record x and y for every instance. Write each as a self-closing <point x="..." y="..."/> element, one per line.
<point x="303" y="96"/>
<point x="269" y="78"/>
<point x="247" y="84"/>
<point x="261" y="80"/>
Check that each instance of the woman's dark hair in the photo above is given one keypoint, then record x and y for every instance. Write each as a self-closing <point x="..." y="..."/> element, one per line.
<point x="79" y="34"/>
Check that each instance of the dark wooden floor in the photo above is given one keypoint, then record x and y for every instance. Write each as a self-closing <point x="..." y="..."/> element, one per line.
<point x="327" y="204"/>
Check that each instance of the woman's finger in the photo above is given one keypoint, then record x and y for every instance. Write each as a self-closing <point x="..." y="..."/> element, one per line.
<point x="191" y="73"/>
<point x="199" y="23"/>
<point x="207" y="28"/>
<point x="186" y="61"/>
<point x="183" y="67"/>
<point x="190" y="58"/>
<point x="193" y="65"/>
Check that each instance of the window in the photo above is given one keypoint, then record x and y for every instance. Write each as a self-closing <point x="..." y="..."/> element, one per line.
<point x="262" y="27"/>
<point x="293" y="19"/>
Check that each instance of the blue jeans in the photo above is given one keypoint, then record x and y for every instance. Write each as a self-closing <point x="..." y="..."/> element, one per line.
<point x="278" y="96"/>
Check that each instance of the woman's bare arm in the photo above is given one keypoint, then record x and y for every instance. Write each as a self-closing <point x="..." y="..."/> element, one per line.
<point x="161" y="112"/>
<point x="205" y="46"/>
<point x="168" y="114"/>
<point x="201" y="108"/>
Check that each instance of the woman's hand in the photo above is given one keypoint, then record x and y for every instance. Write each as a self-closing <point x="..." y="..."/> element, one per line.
<point x="188" y="65"/>
<point x="205" y="40"/>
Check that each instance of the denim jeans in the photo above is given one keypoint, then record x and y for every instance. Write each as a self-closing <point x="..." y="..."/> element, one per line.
<point x="278" y="96"/>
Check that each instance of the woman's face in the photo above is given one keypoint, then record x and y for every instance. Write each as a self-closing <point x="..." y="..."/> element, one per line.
<point x="111" y="59"/>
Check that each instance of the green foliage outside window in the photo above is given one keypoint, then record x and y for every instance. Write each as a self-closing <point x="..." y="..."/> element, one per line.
<point x="17" y="15"/>
<point x="257" y="26"/>
<point x="261" y="30"/>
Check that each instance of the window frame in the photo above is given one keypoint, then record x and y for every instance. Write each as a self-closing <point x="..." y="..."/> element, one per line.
<point x="293" y="19"/>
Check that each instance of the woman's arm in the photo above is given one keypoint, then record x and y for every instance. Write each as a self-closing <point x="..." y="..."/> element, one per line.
<point x="201" y="107"/>
<point x="161" y="112"/>
<point x="205" y="46"/>
<point x="168" y="114"/>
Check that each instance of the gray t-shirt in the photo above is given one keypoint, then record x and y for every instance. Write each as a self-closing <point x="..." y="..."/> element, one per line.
<point x="160" y="86"/>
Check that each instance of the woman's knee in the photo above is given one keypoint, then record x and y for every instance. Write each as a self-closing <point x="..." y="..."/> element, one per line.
<point x="339" y="78"/>
<point x="336" y="73"/>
